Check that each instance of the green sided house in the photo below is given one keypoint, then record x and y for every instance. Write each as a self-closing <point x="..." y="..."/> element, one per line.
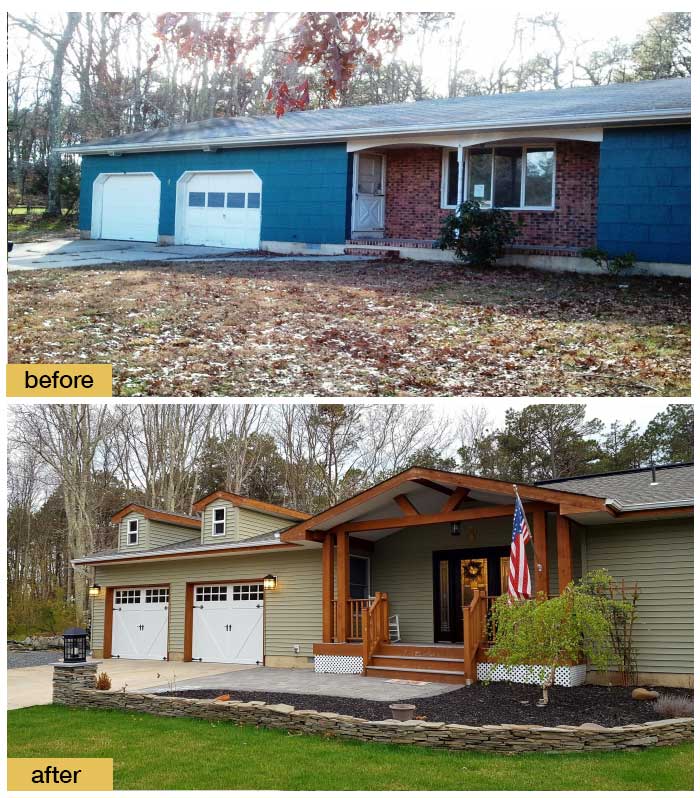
<point x="397" y="581"/>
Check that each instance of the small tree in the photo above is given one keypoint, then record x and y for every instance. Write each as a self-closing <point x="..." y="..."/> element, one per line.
<point x="478" y="236"/>
<point x="548" y="633"/>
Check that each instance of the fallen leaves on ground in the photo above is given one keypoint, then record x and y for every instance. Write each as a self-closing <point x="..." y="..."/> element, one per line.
<point x="376" y="328"/>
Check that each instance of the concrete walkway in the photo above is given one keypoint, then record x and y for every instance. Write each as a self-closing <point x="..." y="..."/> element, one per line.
<point x="29" y="686"/>
<point x="306" y="681"/>
<point x="69" y="253"/>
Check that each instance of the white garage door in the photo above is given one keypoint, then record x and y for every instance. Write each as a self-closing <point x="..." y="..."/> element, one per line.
<point x="222" y="210"/>
<point x="140" y="623"/>
<point x="227" y="623"/>
<point x="130" y="207"/>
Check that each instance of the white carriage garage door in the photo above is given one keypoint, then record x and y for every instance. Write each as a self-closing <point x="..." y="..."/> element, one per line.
<point x="227" y="623"/>
<point x="140" y="623"/>
<point x="130" y="207"/>
<point x="222" y="210"/>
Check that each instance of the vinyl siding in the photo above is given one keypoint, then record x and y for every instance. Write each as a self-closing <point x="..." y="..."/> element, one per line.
<point x="292" y="610"/>
<point x="231" y="523"/>
<point x="142" y="545"/>
<point x="659" y="557"/>
<point x="160" y="534"/>
<point x="402" y="566"/>
<point x="251" y="523"/>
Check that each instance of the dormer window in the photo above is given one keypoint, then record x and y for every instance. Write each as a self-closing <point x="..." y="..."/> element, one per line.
<point x="132" y="534"/>
<point x="219" y="526"/>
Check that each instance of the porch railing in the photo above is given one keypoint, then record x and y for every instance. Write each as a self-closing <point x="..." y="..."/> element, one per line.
<point x="354" y="609"/>
<point x="474" y="618"/>
<point x="375" y="627"/>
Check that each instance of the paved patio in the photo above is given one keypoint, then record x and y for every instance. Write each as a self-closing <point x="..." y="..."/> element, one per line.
<point x="308" y="682"/>
<point x="67" y="253"/>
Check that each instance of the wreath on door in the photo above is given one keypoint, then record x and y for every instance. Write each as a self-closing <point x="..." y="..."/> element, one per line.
<point x="473" y="569"/>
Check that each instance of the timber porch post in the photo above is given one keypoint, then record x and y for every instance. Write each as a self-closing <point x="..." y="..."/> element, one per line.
<point x="565" y="564"/>
<point x="327" y="579"/>
<point x="540" y="543"/>
<point x="343" y="568"/>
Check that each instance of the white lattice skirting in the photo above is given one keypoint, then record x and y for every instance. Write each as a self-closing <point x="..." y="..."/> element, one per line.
<point x="567" y="676"/>
<point x="334" y="663"/>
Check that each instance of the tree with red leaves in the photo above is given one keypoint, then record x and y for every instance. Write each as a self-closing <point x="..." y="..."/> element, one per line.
<point x="334" y="43"/>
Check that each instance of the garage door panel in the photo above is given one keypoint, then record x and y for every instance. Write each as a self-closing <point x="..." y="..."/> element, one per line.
<point x="130" y="207"/>
<point x="227" y="624"/>
<point x="140" y="623"/>
<point x="222" y="210"/>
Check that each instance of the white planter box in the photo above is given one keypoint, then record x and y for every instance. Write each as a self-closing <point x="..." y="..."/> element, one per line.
<point x="565" y="676"/>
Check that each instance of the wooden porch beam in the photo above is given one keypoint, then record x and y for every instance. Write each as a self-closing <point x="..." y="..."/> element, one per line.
<point x="405" y="504"/>
<point x="327" y="577"/>
<point x="565" y="565"/>
<point x="470" y="514"/>
<point x="428" y="483"/>
<point x="455" y="499"/>
<point x="539" y="539"/>
<point x="343" y="571"/>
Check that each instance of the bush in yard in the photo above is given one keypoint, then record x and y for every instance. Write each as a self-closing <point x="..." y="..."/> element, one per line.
<point x="613" y="264"/>
<point x="549" y="633"/>
<point x="478" y="236"/>
<point x="669" y="705"/>
<point x="102" y="681"/>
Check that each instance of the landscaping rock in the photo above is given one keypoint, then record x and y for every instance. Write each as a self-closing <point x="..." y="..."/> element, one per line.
<point x="642" y="694"/>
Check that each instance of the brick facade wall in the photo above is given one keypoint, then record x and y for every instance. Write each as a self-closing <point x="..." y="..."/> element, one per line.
<point x="413" y="180"/>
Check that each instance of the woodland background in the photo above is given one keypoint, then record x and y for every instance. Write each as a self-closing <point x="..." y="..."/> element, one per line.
<point x="72" y="466"/>
<point x="81" y="76"/>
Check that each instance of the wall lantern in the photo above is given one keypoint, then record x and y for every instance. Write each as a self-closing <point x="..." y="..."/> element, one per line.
<point x="75" y="645"/>
<point x="270" y="582"/>
<point x="94" y="590"/>
<point x="456" y="529"/>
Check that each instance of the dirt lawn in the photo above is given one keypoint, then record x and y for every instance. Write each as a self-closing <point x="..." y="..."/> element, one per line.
<point x="367" y="328"/>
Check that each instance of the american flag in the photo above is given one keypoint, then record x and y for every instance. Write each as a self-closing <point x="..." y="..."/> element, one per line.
<point x="519" y="585"/>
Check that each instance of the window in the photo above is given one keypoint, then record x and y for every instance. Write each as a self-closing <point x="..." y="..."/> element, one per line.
<point x="235" y="200"/>
<point x="157" y="595"/>
<point x="247" y="592"/>
<point x="211" y="593"/>
<point x="359" y="577"/>
<point x="502" y="177"/>
<point x="219" y="522"/>
<point x="216" y="199"/>
<point x="254" y="199"/>
<point x="132" y="535"/>
<point x="127" y="596"/>
<point x="195" y="199"/>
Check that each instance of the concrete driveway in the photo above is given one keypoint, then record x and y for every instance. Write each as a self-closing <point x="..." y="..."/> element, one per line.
<point x="29" y="686"/>
<point x="67" y="253"/>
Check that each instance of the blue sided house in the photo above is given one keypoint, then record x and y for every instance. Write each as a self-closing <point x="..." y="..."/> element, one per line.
<point x="605" y="166"/>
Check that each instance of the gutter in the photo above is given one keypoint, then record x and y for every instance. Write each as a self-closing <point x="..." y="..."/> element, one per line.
<point x="342" y="135"/>
<point x="629" y="508"/>
<point x="154" y="553"/>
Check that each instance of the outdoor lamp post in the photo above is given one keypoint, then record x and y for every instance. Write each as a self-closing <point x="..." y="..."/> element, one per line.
<point x="75" y="645"/>
<point x="270" y="582"/>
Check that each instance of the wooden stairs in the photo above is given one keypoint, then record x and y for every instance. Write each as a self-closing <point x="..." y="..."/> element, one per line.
<point x="416" y="662"/>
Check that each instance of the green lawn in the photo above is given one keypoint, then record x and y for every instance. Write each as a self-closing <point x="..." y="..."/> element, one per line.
<point x="22" y="228"/>
<point x="152" y="753"/>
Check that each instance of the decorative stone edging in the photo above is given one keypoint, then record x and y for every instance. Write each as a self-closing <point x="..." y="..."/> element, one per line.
<point x="506" y="738"/>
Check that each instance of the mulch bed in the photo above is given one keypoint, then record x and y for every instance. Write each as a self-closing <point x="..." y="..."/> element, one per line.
<point x="499" y="702"/>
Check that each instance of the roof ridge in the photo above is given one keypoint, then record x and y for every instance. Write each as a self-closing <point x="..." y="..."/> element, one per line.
<point x="640" y="470"/>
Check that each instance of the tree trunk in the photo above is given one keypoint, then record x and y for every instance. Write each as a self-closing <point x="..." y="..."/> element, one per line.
<point x="55" y="121"/>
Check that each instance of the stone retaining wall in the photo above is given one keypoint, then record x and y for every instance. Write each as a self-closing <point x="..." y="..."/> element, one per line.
<point x="506" y="738"/>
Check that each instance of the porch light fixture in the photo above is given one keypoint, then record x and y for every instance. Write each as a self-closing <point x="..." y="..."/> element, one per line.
<point x="75" y="645"/>
<point x="270" y="582"/>
<point x="456" y="529"/>
<point x="94" y="590"/>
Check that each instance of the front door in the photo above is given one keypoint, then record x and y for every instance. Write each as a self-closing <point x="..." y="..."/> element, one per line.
<point x="368" y="207"/>
<point x="456" y="575"/>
